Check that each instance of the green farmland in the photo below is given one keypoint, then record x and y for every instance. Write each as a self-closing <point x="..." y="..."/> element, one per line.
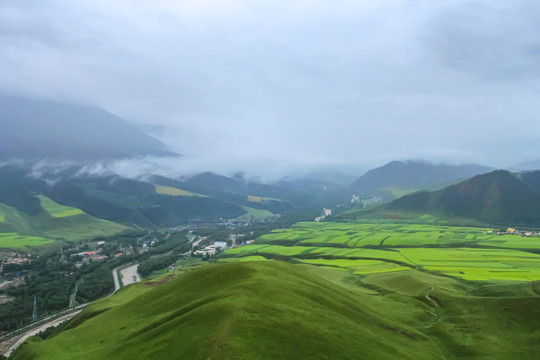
<point x="324" y="291"/>
<point x="16" y="241"/>
<point x="56" y="210"/>
<point x="254" y="214"/>
<point x="463" y="252"/>
<point x="172" y="191"/>
<point x="55" y="222"/>
<point x="386" y="234"/>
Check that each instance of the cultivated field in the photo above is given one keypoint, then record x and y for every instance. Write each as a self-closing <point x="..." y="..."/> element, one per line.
<point x="464" y="252"/>
<point x="57" y="222"/>
<point x="16" y="241"/>
<point x="172" y="191"/>
<point x="56" y="210"/>
<point x="255" y="214"/>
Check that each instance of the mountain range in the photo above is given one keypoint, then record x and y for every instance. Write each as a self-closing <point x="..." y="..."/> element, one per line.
<point x="499" y="197"/>
<point x="36" y="129"/>
<point x="398" y="177"/>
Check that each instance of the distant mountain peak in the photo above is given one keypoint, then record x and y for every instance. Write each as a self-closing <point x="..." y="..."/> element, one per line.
<point x="34" y="129"/>
<point x="414" y="174"/>
<point x="498" y="197"/>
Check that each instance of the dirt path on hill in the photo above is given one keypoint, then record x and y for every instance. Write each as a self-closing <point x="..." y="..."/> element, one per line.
<point x="436" y="315"/>
<point x="429" y="297"/>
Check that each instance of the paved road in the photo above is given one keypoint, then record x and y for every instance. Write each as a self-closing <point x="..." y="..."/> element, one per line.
<point x="129" y="276"/>
<point x="116" y="281"/>
<point x="19" y="339"/>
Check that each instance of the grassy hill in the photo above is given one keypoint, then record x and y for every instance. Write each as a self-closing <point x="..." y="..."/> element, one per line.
<point x="277" y="310"/>
<point x="398" y="178"/>
<point x="244" y="310"/>
<point x="54" y="222"/>
<point x="136" y="203"/>
<point x="496" y="198"/>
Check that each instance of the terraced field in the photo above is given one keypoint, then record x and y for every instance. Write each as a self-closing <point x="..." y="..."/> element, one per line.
<point x="467" y="253"/>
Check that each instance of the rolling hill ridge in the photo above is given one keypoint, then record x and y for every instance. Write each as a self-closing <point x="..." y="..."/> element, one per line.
<point x="412" y="176"/>
<point x="498" y="197"/>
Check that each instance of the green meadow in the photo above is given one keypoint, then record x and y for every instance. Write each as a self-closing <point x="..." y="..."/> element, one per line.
<point x="277" y="310"/>
<point x="325" y="291"/>
<point x="55" y="223"/>
<point x="464" y="252"/>
<point x="254" y="214"/>
<point x="16" y="241"/>
<point x="56" y="210"/>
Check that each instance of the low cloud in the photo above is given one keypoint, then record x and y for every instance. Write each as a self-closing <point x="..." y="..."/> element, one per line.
<point x="272" y="87"/>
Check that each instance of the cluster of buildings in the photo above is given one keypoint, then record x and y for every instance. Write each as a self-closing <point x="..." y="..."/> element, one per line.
<point x="525" y="233"/>
<point x="16" y="260"/>
<point x="211" y="249"/>
<point x="220" y="245"/>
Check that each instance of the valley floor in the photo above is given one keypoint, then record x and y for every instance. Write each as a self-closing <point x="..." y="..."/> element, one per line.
<point x="326" y="291"/>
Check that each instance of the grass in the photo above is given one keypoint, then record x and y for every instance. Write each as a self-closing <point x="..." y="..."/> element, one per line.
<point x="225" y="311"/>
<point x="172" y="191"/>
<point x="398" y="191"/>
<point x="16" y="241"/>
<point x="260" y="199"/>
<point x="56" y="223"/>
<point x="393" y="235"/>
<point x="245" y="258"/>
<point x="56" y="210"/>
<point x="278" y="310"/>
<point x="357" y="266"/>
<point x="381" y="247"/>
<point x="254" y="214"/>
<point x="342" y="291"/>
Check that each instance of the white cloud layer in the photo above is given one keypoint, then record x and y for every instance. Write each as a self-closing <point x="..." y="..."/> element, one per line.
<point x="293" y="83"/>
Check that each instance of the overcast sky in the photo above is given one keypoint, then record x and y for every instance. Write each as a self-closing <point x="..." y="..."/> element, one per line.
<point x="303" y="82"/>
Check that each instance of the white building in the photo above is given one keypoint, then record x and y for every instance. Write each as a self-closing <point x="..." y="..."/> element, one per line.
<point x="220" y="244"/>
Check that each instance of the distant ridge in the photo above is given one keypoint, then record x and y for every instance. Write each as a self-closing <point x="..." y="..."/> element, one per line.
<point x="36" y="129"/>
<point x="527" y="165"/>
<point x="498" y="197"/>
<point x="413" y="175"/>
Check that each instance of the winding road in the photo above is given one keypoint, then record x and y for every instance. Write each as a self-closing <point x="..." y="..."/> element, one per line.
<point x="19" y="339"/>
<point x="129" y="275"/>
<point x="116" y="281"/>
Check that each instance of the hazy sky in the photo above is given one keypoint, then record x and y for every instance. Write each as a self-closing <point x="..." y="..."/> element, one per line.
<point x="303" y="82"/>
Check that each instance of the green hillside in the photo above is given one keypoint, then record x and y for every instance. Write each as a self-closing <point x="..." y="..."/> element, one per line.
<point x="398" y="178"/>
<point x="249" y="310"/>
<point x="277" y="310"/>
<point x="53" y="222"/>
<point x="496" y="198"/>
